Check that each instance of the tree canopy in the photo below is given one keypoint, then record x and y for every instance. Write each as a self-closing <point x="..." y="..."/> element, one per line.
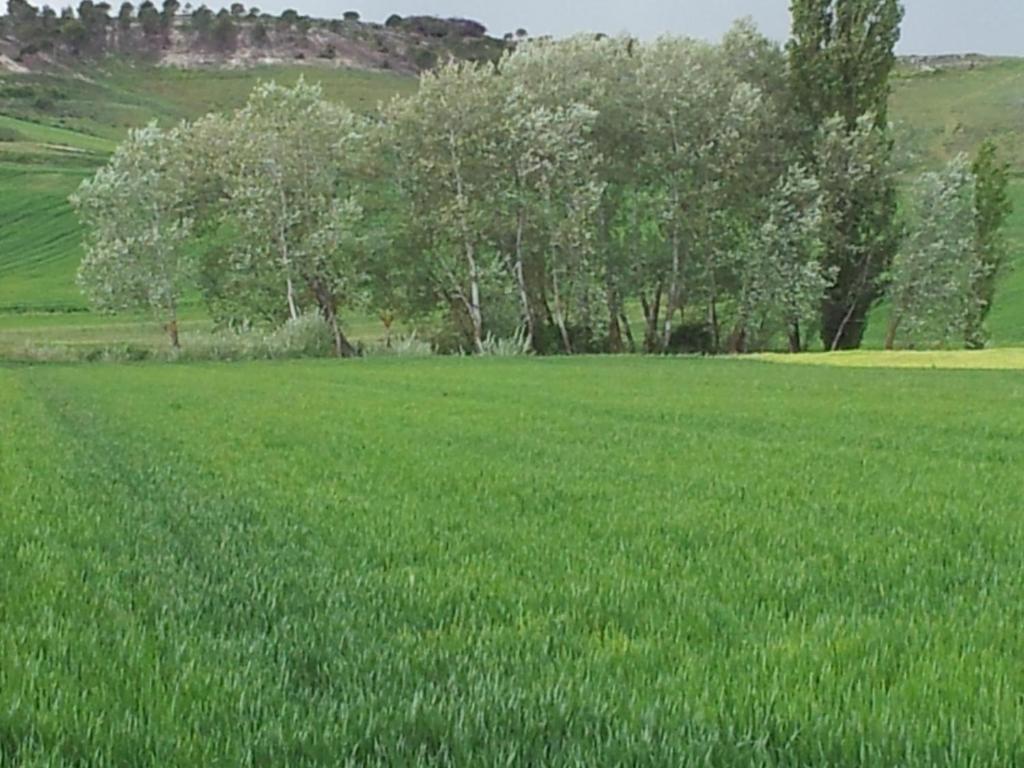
<point x="558" y="197"/>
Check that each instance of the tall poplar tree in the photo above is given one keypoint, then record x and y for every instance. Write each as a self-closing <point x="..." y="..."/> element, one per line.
<point x="992" y="206"/>
<point x="841" y="55"/>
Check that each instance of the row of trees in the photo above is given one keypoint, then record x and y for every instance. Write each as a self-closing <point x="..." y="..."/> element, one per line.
<point x="95" y="27"/>
<point x="585" y="195"/>
<point x="92" y="29"/>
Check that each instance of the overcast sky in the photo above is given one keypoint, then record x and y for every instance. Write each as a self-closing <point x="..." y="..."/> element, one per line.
<point x="932" y="26"/>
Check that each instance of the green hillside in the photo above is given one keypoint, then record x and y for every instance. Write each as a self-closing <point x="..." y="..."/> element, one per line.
<point x="56" y="129"/>
<point x="939" y="114"/>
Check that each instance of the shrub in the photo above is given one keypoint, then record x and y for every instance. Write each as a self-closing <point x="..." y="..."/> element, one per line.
<point x="692" y="339"/>
<point x="10" y="134"/>
<point x="407" y="346"/>
<point x="117" y="353"/>
<point x="306" y="336"/>
<point x="425" y="59"/>
<point x="509" y="347"/>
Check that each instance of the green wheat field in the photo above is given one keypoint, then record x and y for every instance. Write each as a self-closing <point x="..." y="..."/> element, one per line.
<point x="595" y="562"/>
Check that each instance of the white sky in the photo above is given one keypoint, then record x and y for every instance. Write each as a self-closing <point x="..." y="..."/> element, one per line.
<point x="931" y="26"/>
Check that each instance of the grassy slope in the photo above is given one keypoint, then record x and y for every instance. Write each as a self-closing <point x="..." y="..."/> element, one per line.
<point x="642" y="561"/>
<point x="941" y="114"/>
<point x="39" y="234"/>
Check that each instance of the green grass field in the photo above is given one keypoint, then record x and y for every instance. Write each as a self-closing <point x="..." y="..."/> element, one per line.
<point x="527" y="562"/>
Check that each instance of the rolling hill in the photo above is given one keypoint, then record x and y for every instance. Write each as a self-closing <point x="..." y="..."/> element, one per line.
<point x="56" y="127"/>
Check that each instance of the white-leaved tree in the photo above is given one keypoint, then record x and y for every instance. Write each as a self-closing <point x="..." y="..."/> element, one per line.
<point x="697" y="117"/>
<point x="547" y="192"/>
<point x="783" y="281"/>
<point x="445" y="138"/>
<point x="292" y="196"/>
<point x="596" y="74"/>
<point x="932" y="278"/>
<point x="136" y="216"/>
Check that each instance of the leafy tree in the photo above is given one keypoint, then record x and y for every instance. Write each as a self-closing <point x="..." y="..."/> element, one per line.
<point x="446" y="140"/>
<point x="783" y="280"/>
<point x="696" y="119"/>
<point x="858" y="186"/>
<point x="291" y="201"/>
<point x="74" y="35"/>
<point x="94" y="20"/>
<point x="547" y="196"/>
<point x="841" y="53"/>
<point x="202" y="22"/>
<point x="150" y="19"/>
<point x="137" y="228"/>
<point x="225" y="32"/>
<point x="992" y="208"/>
<point x="124" y="17"/>
<point x="351" y="16"/>
<point x="840" y="57"/>
<point x="237" y="10"/>
<point x="603" y="83"/>
<point x="24" y="19"/>
<point x="170" y="10"/>
<point x="934" y="274"/>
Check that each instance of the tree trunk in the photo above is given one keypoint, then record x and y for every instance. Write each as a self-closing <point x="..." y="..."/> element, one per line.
<point x="329" y="309"/>
<point x="738" y="339"/>
<point x="475" y="314"/>
<point x="849" y="333"/>
<point x="286" y="261"/>
<point x="975" y="337"/>
<point x="615" y="345"/>
<point x="387" y="318"/>
<point x="628" y="330"/>
<point x="652" y="311"/>
<point x="795" y="342"/>
<point x="293" y="310"/>
<point x="673" y="290"/>
<point x="524" y="294"/>
<point x="560" y="316"/>
<point x="890" y="333"/>
<point x="342" y="346"/>
<point x="172" y="332"/>
<point x="713" y="325"/>
<point x="845" y="319"/>
<point x="172" y="325"/>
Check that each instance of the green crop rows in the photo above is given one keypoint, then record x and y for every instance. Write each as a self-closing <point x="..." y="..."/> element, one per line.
<point x="510" y="562"/>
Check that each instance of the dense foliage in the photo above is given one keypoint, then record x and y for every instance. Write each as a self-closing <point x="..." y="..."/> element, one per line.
<point x="665" y="180"/>
<point x="992" y="209"/>
<point x="840" y="57"/>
